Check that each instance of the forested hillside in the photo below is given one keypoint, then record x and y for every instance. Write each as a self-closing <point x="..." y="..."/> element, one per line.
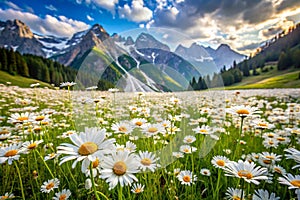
<point x="35" y="67"/>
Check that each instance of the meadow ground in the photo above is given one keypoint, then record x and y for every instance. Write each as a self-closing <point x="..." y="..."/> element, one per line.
<point x="61" y="144"/>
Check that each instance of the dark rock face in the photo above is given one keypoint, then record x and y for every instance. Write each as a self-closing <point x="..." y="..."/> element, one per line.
<point x="17" y="35"/>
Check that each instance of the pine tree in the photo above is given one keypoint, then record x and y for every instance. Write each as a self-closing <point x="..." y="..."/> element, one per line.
<point x="245" y="68"/>
<point x="12" y="64"/>
<point x="46" y="75"/>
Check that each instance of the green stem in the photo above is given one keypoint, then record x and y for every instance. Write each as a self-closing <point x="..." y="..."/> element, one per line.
<point x="20" y="179"/>
<point x="242" y="193"/>
<point x="93" y="181"/>
<point x="120" y="194"/>
<point x="45" y="164"/>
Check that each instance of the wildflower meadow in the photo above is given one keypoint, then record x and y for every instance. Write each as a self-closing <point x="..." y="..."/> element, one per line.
<point x="214" y="144"/>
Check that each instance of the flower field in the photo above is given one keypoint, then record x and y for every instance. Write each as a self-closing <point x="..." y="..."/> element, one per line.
<point x="62" y="144"/>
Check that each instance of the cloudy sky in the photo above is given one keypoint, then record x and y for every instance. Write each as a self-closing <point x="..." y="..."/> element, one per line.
<point x="243" y="24"/>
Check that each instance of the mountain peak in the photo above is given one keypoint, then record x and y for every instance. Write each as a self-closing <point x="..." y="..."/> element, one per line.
<point x="18" y="28"/>
<point x="223" y="46"/>
<point x="145" y="41"/>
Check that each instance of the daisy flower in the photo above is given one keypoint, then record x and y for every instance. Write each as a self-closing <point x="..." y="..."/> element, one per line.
<point x="220" y="161"/>
<point x="30" y="145"/>
<point x="267" y="159"/>
<point x="187" y="149"/>
<point x="7" y="196"/>
<point x="186" y="177"/>
<point x="67" y="84"/>
<point x="270" y="143"/>
<point x="68" y="133"/>
<point x="189" y="139"/>
<point x="50" y="156"/>
<point x="234" y="194"/>
<point x="113" y="90"/>
<point x="49" y="185"/>
<point x="294" y="154"/>
<point x="178" y="154"/>
<point x="120" y="167"/>
<point x="11" y="153"/>
<point x="138" y="122"/>
<point x="63" y="195"/>
<point x="204" y="130"/>
<point x="175" y="101"/>
<point x="205" y="172"/>
<point x="4" y="133"/>
<point x="243" y="111"/>
<point x="87" y="145"/>
<point x="20" y="118"/>
<point x="278" y="169"/>
<point x="152" y="129"/>
<point x="147" y="160"/>
<point x="96" y="167"/>
<point x="248" y="171"/>
<point x="137" y="188"/>
<point x="122" y="127"/>
<point x="264" y="195"/>
<point x="290" y="180"/>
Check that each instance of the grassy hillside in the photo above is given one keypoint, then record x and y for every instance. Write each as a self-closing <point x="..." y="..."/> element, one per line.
<point x="20" y="81"/>
<point x="271" y="79"/>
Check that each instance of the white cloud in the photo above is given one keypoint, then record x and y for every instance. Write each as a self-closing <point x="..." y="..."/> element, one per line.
<point x="137" y="12"/>
<point x="50" y="7"/>
<point x="12" y="5"/>
<point x="60" y="26"/>
<point x="238" y="23"/>
<point x="179" y="1"/>
<point x="106" y="4"/>
<point x="89" y="18"/>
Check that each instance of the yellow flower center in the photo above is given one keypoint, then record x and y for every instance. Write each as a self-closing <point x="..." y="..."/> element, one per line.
<point x="188" y="140"/>
<point x="152" y="129"/>
<point x="146" y="161"/>
<point x="245" y="173"/>
<point x="262" y="124"/>
<point x="236" y="198"/>
<point x="186" y="178"/>
<point x="295" y="183"/>
<point x="49" y="186"/>
<point x="220" y="163"/>
<point x="267" y="162"/>
<point x="137" y="190"/>
<point x="271" y="142"/>
<point x="32" y="146"/>
<point x="4" y="197"/>
<point x="87" y="148"/>
<point x="38" y="128"/>
<point x="270" y="157"/>
<point x="186" y="150"/>
<point x="122" y="129"/>
<point x="11" y="153"/>
<point x="281" y="139"/>
<point x="243" y="112"/>
<point x="44" y="123"/>
<point x="96" y="163"/>
<point x="62" y="197"/>
<point x="203" y="131"/>
<point x="22" y="118"/>
<point x="139" y="123"/>
<point x="277" y="170"/>
<point x="119" y="168"/>
<point x="39" y="118"/>
<point x="3" y="132"/>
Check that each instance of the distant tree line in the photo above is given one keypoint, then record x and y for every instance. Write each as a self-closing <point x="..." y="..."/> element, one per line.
<point x="36" y="67"/>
